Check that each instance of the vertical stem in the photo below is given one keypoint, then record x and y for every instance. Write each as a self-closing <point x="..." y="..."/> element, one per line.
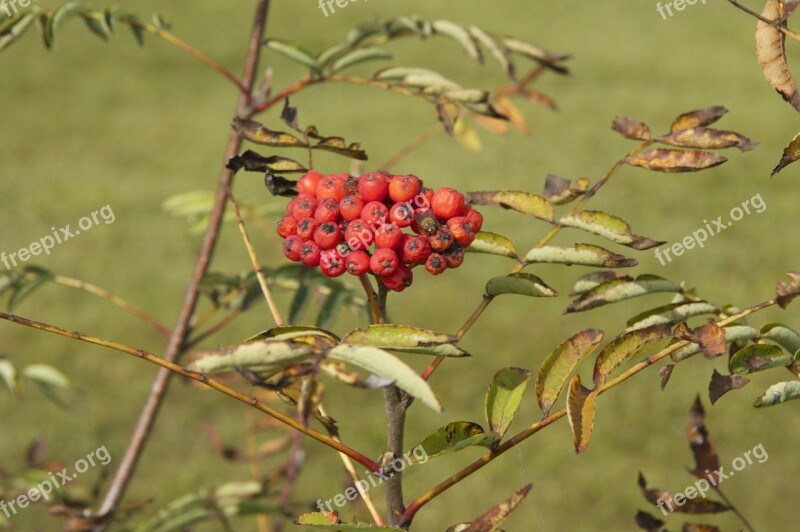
<point x="160" y="385"/>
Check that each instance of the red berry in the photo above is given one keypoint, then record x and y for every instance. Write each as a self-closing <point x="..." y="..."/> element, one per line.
<point x="401" y="214"/>
<point x="400" y="279"/>
<point x="384" y="262"/>
<point x="358" y="235"/>
<point x="332" y="187"/>
<point x="350" y="207"/>
<point x="331" y="263"/>
<point x="404" y="188"/>
<point x="424" y="200"/>
<point x="350" y="185"/>
<point x="373" y="186"/>
<point x="327" y="211"/>
<point x="436" y="264"/>
<point x="305" y="228"/>
<point x="287" y="226"/>
<point x="388" y="236"/>
<point x="309" y="253"/>
<point x="447" y="202"/>
<point x="415" y="249"/>
<point x="425" y="223"/>
<point x="475" y="218"/>
<point x="462" y="230"/>
<point x="357" y="263"/>
<point x="327" y="235"/>
<point x="309" y="182"/>
<point x="441" y="239"/>
<point x="454" y="255"/>
<point x="291" y="247"/>
<point x="375" y="213"/>
<point x="303" y="206"/>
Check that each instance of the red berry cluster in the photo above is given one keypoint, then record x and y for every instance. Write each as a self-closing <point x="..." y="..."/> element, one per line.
<point x="335" y="219"/>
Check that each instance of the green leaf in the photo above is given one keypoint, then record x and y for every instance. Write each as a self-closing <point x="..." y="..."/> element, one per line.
<point x="14" y="28"/>
<point x="259" y="356"/>
<point x="329" y="54"/>
<point x="61" y="15"/>
<point x="501" y="54"/>
<point x="32" y="279"/>
<point x="330" y="308"/>
<point x="99" y="26"/>
<point x="432" y="81"/>
<point x="454" y="437"/>
<point x="672" y="313"/>
<point x="49" y="379"/>
<point x="524" y="284"/>
<point x="9" y="374"/>
<point x="733" y="333"/>
<point x="779" y="393"/>
<point x="493" y="244"/>
<point x="383" y="364"/>
<point x="759" y="357"/>
<point x="406" y="339"/>
<point x="524" y="202"/>
<point x="358" y="56"/>
<point x="468" y="96"/>
<point x="559" y="365"/>
<point x="504" y="396"/>
<point x="781" y="335"/>
<point x="581" y="254"/>
<point x="549" y="59"/>
<point x="620" y="290"/>
<point x="626" y="346"/>
<point x="319" y="520"/>
<point x="610" y="227"/>
<point x="458" y="33"/>
<point x="294" y="52"/>
<point x="289" y="332"/>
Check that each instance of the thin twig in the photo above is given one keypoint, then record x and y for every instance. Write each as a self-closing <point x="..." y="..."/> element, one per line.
<point x="105" y="294"/>
<point x="776" y="23"/>
<point x="734" y="509"/>
<point x="403" y="152"/>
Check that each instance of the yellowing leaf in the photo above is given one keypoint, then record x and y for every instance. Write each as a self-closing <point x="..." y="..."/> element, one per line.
<point x="771" y="53"/>
<point x="673" y="161"/>
<point x="504" y="396"/>
<point x="580" y="412"/>
<point x="610" y="227"/>
<point x="255" y="132"/>
<point x="494" y="244"/>
<point x="698" y="118"/>
<point x="454" y="437"/>
<point x="708" y="139"/>
<point x="790" y="154"/>
<point x="624" y="347"/>
<point x="582" y="254"/>
<point x="524" y="202"/>
<point x="630" y="128"/>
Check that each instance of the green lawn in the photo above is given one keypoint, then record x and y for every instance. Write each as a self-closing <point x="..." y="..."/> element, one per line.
<point x="89" y="124"/>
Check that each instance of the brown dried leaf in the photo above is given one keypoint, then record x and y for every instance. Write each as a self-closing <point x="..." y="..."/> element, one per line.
<point x="705" y="455"/>
<point x="666" y="373"/>
<point x="255" y="132"/>
<point x="497" y="514"/>
<point x="771" y="53"/>
<point x="505" y="106"/>
<point x="698" y="118"/>
<point x="580" y="412"/>
<point x="708" y="139"/>
<point x="721" y="384"/>
<point x="697" y="505"/>
<point x="448" y="115"/>
<point x="710" y="337"/>
<point x="630" y="128"/>
<point x="696" y="527"/>
<point x="559" y="191"/>
<point x="646" y="521"/>
<point x="791" y="153"/>
<point x="786" y="292"/>
<point x="673" y="161"/>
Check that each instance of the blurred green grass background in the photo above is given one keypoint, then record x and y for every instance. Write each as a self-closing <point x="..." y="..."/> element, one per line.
<point x="90" y="124"/>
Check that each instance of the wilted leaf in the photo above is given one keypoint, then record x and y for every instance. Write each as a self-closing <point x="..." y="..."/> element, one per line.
<point x="448" y="115"/>
<point x="759" y="357"/>
<point x="504" y="396"/>
<point x="580" y="411"/>
<point x="620" y="290"/>
<point x="500" y="53"/>
<point x="581" y="254"/>
<point x="545" y="57"/>
<point x="493" y="244"/>
<point x="624" y="347"/>
<point x="786" y="292"/>
<point x="507" y="108"/>
<point x="384" y="364"/>
<point x="671" y="161"/>
<point x="339" y="146"/>
<point x="697" y="505"/>
<point x="665" y="373"/>
<point x="524" y="284"/>
<point x="733" y="333"/>
<point x="524" y="202"/>
<point x="721" y="384"/>
<point x="559" y="365"/>
<point x="455" y="437"/>
<point x="708" y="139"/>
<point x="771" y="53"/>
<point x="630" y="128"/>
<point x="646" y="521"/>
<point x="491" y="519"/>
<point x="610" y="227"/>
<point x="253" y="162"/>
<point x="294" y="52"/>
<point x="710" y="337"/>
<point x="559" y="191"/>
<point x="671" y="313"/>
<point x="706" y="461"/>
<point x="698" y="118"/>
<point x="779" y="393"/>
<point x="406" y="339"/>
<point x="255" y="132"/>
<point x="258" y="356"/>
<point x="790" y="154"/>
